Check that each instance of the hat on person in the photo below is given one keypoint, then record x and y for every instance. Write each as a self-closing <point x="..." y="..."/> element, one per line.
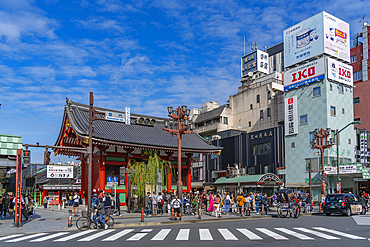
<point x="94" y="190"/>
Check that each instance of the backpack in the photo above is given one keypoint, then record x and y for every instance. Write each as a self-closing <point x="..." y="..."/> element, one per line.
<point x="227" y="202"/>
<point x="162" y="202"/>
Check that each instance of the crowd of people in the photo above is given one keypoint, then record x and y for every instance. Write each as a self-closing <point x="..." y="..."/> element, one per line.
<point x="7" y="204"/>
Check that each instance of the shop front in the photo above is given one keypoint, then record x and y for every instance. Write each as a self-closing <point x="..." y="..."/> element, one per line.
<point x="265" y="183"/>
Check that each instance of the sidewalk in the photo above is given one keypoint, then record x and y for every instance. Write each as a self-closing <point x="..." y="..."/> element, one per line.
<point x="52" y="219"/>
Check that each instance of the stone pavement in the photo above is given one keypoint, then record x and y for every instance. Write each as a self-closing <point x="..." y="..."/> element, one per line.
<point x="52" y="219"/>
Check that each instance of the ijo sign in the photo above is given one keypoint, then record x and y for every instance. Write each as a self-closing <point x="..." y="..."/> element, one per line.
<point x="59" y="172"/>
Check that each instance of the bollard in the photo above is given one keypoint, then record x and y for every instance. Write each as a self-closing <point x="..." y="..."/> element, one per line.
<point x="242" y="212"/>
<point x="199" y="213"/>
<point x="219" y="213"/>
<point x="172" y="215"/>
<point x="142" y="215"/>
<point x="58" y="206"/>
<point x="70" y="218"/>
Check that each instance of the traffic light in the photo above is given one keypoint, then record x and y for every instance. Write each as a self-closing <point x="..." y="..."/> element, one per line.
<point x="46" y="157"/>
<point x="26" y="156"/>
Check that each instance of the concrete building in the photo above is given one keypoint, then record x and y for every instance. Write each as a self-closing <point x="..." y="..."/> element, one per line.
<point x="317" y="96"/>
<point x="361" y="70"/>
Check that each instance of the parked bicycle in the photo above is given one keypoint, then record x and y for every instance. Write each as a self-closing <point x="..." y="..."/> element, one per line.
<point x="293" y="209"/>
<point x="86" y="221"/>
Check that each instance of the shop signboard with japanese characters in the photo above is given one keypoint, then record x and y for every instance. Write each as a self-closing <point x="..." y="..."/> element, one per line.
<point x="322" y="33"/>
<point x="304" y="74"/>
<point x="255" y="61"/>
<point x="291" y="116"/>
<point x="343" y="169"/>
<point x="59" y="172"/>
<point x="340" y="72"/>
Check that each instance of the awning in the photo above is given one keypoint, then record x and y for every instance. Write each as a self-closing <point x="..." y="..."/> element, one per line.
<point x="268" y="178"/>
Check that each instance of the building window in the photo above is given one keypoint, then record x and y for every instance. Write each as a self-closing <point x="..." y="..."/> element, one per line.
<point x="262" y="148"/>
<point x="208" y="122"/>
<point x="258" y="98"/>
<point x="216" y="120"/>
<point x="251" y="106"/>
<point x="332" y="111"/>
<point x="341" y="88"/>
<point x="269" y="112"/>
<point x="353" y="59"/>
<point x="200" y="124"/>
<point x="311" y="136"/>
<point x="343" y="111"/>
<point x="251" y="170"/>
<point x="269" y="95"/>
<point x="331" y="87"/>
<point x="261" y="114"/>
<point x="316" y="91"/>
<point x="349" y="140"/>
<point x="225" y="120"/>
<point x="334" y="136"/>
<point x="250" y="124"/>
<point x="356" y="101"/>
<point x="357" y="75"/>
<point x="314" y="164"/>
<point x="303" y="119"/>
<point x="293" y="144"/>
<point x="356" y="119"/>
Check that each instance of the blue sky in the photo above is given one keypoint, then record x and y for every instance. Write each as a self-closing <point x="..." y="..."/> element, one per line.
<point x="143" y="54"/>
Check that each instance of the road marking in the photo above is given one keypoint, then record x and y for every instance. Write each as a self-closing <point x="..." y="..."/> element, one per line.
<point x="118" y="235"/>
<point x="227" y="234"/>
<point x="49" y="237"/>
<point x="25" y="237"/>
<point x="161" y="235"/>
<point x="146" y="230"/>
<point x="295" y="234"/>
<point x="74" y="236"/>
<point x="96" y="235"/>
<point x="183" y="234"/>
<point x="204" y="234"/>
<point x="249" y="234"/>
<point x="11" y="236"/>
<point x="271" y="234"/>
<point x="339" y="233"/>
<point x="137" y="236"/>
<point x="319" y="234"/>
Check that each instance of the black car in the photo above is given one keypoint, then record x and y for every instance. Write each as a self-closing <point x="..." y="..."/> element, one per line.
<point x="345" y="204"/>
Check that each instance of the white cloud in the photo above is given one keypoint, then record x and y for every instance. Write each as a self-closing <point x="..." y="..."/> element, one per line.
<point x="100" y="23"/>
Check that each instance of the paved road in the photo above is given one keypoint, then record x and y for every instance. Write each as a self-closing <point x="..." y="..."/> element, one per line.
<point x="316" y="230"/>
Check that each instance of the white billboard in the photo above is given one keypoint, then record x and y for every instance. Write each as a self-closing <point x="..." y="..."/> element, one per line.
<point x="304" y="74"/>
<point x="322" y="33"/>
<point x="340" y="72"/>
<point x="255" y="61"/>
<point x="343" y="169"/>
<point x="291" y="116"/>
<point x="59" y="172"/>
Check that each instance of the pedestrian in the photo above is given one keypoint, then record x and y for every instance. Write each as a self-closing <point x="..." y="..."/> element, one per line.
<point x="322" y="200"/>
<point x="118" y="204"/>
<point x="248" y="200"/>
<point x="160" y="203"/>
<point x="135" y="202"/>
<point x="1" y="207"/>
<point x="107" y="202"/>
<point x="64" y="200"/>
<point x="147" y="204"/>
<point x="258" y="199"/>
<point x="217" y="204"/>
<point x="176" y="204"/>
<point x="76" y="202"/>
<point x="241" y="201"/>
<point x="154" y="203"/>
<point x="211" y="204"/>
<point x="227" y="203"/>
<point x="45" y="202"/>
<point x="83" y="198"/>
<point x="264" y="201"/>
<point x="6" y="202"/>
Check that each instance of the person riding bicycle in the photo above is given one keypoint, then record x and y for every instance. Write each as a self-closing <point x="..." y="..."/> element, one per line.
<point x="100" y="213"/>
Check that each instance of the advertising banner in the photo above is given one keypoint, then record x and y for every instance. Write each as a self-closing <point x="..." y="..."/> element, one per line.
<point x="322" y="33"/>
<point x="59" y="172"/>
<point x="291" y="116"/>
<point x="255" y="61"/>
<point x="114" y="116"/>
<point x="346" y="169"/>
<point x="304" y="74"/>
<point x="340" y="72"/>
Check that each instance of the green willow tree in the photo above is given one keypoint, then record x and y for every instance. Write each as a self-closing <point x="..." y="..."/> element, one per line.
<point x="142" y="174"/>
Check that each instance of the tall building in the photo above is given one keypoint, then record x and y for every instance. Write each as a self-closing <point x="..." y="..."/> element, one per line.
<point x="318" y="94"/>
<point x="361" y="70"/>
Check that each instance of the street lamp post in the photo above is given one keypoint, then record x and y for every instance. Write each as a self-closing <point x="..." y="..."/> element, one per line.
<point x="180" y="126"/>
<point x="322" y="142"/>
<point x="337" y="143"/>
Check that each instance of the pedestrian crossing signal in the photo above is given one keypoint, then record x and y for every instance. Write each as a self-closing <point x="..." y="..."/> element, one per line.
<point x="46" y="157"/>
<point x="26" y="156"/>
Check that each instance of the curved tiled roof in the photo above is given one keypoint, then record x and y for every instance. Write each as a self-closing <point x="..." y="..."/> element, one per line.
<point x="210" y="114"/>
<point x="145" y="136"/>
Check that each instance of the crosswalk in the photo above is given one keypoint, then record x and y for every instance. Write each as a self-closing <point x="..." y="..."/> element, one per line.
<point x="202" y="234"/>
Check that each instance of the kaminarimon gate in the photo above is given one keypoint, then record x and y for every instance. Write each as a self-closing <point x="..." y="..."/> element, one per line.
<point x="115" y="143"/>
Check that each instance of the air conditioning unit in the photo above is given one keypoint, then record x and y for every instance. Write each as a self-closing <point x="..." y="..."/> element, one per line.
<point x="215" y="137"/>
<point x="242" y="171"/>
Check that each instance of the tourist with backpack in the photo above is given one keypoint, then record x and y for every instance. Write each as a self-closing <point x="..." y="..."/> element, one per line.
<point x="227" y="202"/>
